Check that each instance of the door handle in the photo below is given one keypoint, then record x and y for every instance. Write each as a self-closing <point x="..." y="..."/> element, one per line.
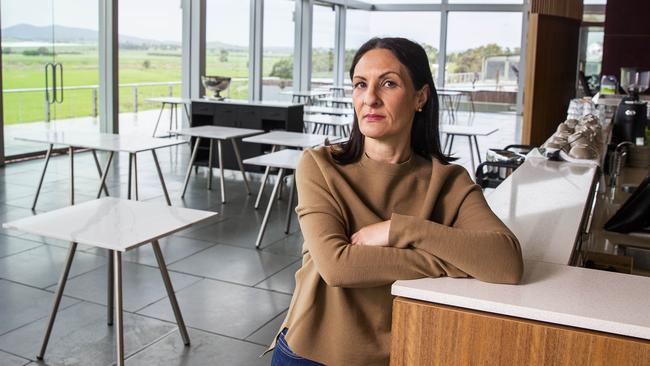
<point x="58" y="100"/>
<point x="49" y="98"/>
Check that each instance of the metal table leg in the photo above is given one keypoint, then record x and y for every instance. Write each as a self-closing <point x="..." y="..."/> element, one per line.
<point x="135" y="175"/>
<point x="268" y="208"/>
<point x="223" y="183"/>
<point x="189" y="168"/>
<point x="241" y="165"/>
<point x="170" y="292"/>
<point x="105" y="173"/>
<point x="109" y="291"/>
<point x="478" y="153"/>
<point x="119" y="323"/>
<point x="99" y="170"/>
<point x="57" y="299"/>
<point x="71" y="152"/>
<point x="130" y="174"/>
<point x="444" y="149"/>
<point x="40" y="181"/>
<point x="264" y="178"/>
<point x="160" y="177"/>
<point x="471" y="153"/>
<point x="210" y="151"/>
<point x="290" y="206"/>
<point x="162" y="108"/>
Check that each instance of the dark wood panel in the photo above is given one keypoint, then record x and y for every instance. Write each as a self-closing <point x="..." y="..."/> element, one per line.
<point x="562" y="8"/>
<point x="431" y="334"/>
<point x="550" y="74"/>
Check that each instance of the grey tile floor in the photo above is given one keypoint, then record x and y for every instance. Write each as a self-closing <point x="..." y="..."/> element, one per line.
<point x="233" y="297"/>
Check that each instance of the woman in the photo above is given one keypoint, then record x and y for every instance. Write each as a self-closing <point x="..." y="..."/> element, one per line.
<point x="385" y="206"/>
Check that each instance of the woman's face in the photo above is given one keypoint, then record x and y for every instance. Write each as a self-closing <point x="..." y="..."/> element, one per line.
<point x="384" y="97"/>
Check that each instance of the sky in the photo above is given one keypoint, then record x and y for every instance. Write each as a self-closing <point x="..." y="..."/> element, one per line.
<point x="228" y="22"/>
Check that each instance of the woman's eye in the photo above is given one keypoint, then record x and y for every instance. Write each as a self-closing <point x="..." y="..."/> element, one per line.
<point x="360" y="84"/>
<point x="389" y="83"/>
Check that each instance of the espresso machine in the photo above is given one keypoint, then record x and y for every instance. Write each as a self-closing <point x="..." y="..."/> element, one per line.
<point x="631" y="118"/>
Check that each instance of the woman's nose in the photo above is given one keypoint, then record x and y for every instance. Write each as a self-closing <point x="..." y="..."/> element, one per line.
<point x="371" y="98"/>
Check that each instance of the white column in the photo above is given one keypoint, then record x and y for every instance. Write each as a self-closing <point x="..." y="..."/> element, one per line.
<point x="442" y="49"/>
<point x="302" y="16"/>
<point x="108" y="67"/>
<point x="339" y="47"/>
<point x="193" y="58"/>
<point x="255" y="50"/>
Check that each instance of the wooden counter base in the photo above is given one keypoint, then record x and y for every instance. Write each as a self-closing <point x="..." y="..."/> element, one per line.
<point x="431" y="334"/>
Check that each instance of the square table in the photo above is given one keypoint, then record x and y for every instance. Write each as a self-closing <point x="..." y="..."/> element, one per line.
<point x="173" y="103"/>
<point x="218" y="133"/>
<point x="117" y="225"/>
<point x="329" y="110"/>
<point x="283" y="160"/>
<point x="103" y="142"/>
<point x="324" y="121"/>
<point x="285" y="139"/>
<point x="471" y="132"/>
<point x="306" y="95"/>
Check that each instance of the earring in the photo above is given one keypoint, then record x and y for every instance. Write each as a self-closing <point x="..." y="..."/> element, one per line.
<point x="420" y="109"/>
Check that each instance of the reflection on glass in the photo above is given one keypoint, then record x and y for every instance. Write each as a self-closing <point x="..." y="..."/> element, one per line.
<point x="420" y="27"/>
<point x="150" y="34"/>
<point x="322" y="57"/>
<point x="40" y="32"/>
<point x="483" y="52"/>
<point x="227" y="38"/>
<point x="277" y="56"/>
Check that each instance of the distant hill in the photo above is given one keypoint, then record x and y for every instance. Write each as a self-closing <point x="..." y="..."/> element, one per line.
<point x="28" y="32"/>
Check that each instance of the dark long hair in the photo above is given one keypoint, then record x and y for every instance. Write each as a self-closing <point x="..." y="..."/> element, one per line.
<point x="425" y="140"/>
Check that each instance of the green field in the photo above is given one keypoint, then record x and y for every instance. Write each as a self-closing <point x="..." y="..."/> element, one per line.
<point x="136" y="66"/>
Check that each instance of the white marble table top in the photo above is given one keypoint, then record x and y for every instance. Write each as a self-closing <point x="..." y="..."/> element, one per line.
<point x="217" y="132"/>
<point x="577" y="297"/>
<point x="306" y="93"/>
<point x="468" y="130"/>
<point x="327" y="119"/>
<point x="111" y="223"/>
<point x="542" y="203"/>
<point x="288" y="138"/>
<point x="243" y="102"/>
<point x="329" y="110"/>
<point x="170" y="100"/>
<point x="286" y="159"/>
<point x="448" y="93"/>
<point x="346" y="100"/>
<point x="100" y="141"/>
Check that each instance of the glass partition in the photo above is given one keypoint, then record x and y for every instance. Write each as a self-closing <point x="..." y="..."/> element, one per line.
<point x="227" y="39"/>
<point x="277" y="59"/>
<point x="49" y="69"/>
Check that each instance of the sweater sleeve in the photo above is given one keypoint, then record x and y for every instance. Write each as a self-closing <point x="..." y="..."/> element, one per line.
<point x="477" y="243"/>
<point x="340" y="263"/>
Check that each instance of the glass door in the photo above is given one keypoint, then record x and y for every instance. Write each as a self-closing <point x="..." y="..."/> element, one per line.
<point x="50" y="69"/>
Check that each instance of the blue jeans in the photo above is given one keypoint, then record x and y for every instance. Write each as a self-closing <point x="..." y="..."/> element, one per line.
<point x="283" y="356"/>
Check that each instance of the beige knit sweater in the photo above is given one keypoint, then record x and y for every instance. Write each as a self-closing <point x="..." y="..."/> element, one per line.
<point x="441" y="225"/>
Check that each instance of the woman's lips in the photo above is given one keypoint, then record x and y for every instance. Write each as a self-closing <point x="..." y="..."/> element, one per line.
<point x="374" y="117"/>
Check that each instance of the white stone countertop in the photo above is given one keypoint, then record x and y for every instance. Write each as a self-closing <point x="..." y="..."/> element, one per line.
<point x="543" y="203"/>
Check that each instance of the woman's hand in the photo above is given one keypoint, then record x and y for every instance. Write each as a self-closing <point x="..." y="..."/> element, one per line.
<point x="372" y="235"/>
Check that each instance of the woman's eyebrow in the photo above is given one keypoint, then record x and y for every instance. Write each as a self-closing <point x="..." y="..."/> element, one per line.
<point x="380" y="76"/>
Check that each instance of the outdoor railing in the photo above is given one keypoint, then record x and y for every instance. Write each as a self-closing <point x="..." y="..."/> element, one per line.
<point x="30" y="105"/>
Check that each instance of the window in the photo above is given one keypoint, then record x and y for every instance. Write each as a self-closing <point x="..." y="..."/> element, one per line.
<point x="322" y="57"/>
<point x="227" y="38"/>
<point x="277" y="59"/>
<point x="150" y="34"/>
<point x="483" y="52"/>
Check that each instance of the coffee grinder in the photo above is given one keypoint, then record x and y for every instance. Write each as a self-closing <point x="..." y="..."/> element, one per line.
<point x="631" y="115"/>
